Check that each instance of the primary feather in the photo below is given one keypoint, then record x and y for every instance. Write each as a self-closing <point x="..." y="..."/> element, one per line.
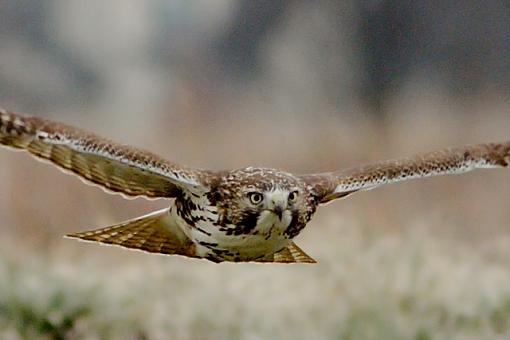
<point x="114" y="167"/>
<point x="445" y="162"/>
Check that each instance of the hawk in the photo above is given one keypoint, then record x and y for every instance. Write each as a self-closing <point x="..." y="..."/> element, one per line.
<point x="240" y="215"/>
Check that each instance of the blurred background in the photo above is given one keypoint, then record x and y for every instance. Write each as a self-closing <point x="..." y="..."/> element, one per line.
<point x="297" y="85"/>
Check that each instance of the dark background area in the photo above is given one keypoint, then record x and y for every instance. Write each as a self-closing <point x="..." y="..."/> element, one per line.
<point x="357" y="52"/>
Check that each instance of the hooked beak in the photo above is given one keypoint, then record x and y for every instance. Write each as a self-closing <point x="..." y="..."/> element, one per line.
<point x="278" y="203"/>
<point x="278" y="210"/>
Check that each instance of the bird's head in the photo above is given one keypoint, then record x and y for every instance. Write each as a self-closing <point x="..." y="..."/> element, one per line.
<point x="256" y="196"/>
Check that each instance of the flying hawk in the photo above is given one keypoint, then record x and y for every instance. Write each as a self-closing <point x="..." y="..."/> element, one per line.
<point x="248" y="214"/>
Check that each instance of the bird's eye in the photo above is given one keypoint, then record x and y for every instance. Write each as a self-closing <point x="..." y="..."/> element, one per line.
<point x="255" y="197"/>
<point x="293" y="196"/>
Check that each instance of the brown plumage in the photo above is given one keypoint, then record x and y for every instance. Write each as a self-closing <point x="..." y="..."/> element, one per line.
<point x="444" y="162"/>
<point x="114" y="167"/>
<point x="148" y="233"/>
<point x="249" y="214"/>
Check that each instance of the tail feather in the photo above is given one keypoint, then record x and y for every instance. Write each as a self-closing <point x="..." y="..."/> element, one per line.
<point x="152" y="233"/>
<point x="289" y="254"/>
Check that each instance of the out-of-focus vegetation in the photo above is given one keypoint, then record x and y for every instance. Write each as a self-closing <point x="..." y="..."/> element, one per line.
<point x="294" y="85"/>
<point x="407" y="286"/>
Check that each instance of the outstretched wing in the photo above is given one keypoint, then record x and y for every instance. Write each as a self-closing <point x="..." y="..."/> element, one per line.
<point x="114" y="167"/>
<point x="329" y="186"/>
<point x="154" y="233"/>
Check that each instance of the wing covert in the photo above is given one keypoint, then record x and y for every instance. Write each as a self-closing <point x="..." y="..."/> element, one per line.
<point x="333" y="185"/>
<point x="114" y="167"/>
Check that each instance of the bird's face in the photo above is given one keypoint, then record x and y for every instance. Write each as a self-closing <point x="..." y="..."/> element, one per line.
<point x="259" y="199"/>
<point x="275" y="200"/>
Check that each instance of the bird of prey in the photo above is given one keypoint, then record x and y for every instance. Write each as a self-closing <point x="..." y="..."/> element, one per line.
<point x="240" y="215"/>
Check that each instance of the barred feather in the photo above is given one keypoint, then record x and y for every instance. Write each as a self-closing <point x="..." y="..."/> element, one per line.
<point x="153" y="233"/>
<point x="114" y="167"/>
<point x="290" y="254"/>
<point x="338" y="184"/>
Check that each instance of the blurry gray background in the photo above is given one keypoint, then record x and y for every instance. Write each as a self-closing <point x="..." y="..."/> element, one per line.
<point x="298" y="85"/>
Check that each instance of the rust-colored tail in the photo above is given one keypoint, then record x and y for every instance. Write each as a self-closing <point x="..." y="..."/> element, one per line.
<point x="153" y="233"/>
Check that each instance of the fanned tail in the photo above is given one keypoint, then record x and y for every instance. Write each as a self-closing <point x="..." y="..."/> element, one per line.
<point x="154" y="233"/>
<point x="289" y="254"/>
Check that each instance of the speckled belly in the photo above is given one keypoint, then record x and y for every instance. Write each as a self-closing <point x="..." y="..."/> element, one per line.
<point x="217" y="244"/>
